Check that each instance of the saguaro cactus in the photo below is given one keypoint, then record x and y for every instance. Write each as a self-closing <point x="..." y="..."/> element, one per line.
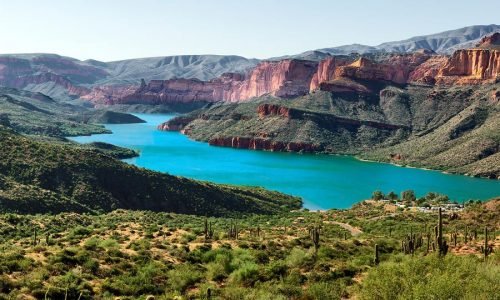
<point x="466" y="235"/>
<point x="209" y="232"/>
<point x="233" y="231"/>
<point x="34" y="237"/>
<point x="442" y="246"/>
<point x="314" y="233"/>
<point x="486" y="249"/>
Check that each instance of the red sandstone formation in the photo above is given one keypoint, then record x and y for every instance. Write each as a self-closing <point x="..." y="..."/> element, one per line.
<point x="471" y="66"/>
<point x="427" y="71"/>
<point x="326" y="71"/>
<point x="286" y="78"/>
<point x="263" y="144"/>
<point x="273" y="110"/>
<point x="109" y="94"/>
<point x="396" y="69"/>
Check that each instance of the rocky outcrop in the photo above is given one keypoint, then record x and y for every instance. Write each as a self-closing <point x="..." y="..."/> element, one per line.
<point x="263" y="144"/>
<point x="108" y="94"/>
<point x="396" y="68"/>
<point x="427" y="72"/>
<point x="286" y="78"/>
<point x="274" y="110"/>
<point x="326" y="71"/>
<point x="175" y="124"/>
<point x="492" y="41"/>
<point x="471" y="66"/>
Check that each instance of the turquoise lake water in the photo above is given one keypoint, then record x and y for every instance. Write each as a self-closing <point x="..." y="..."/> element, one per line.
<point x="323" y="181"/>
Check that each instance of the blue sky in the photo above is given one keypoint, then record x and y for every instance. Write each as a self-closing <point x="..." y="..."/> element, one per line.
<point x="118" y="29"/>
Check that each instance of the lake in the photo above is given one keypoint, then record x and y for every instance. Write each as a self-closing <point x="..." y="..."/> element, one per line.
<point x="323" y="181"/>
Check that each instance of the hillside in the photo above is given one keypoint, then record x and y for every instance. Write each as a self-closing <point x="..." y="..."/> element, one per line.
<point x="454" y="129"/>
<point x="38" y="114"/>
<point x="293" y="255"/>
<point x="41" y="177"/>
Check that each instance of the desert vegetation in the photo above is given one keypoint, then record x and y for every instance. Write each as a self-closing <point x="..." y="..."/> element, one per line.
<point x="355" y="253"/>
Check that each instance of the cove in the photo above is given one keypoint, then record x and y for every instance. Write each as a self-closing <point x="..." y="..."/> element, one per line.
<point x="323" y="181"/>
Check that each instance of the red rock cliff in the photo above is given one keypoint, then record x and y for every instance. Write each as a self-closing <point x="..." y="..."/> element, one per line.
<point x="396" y="68"/>
<point x="471" y="66"/>
<point x="286" y="78"/>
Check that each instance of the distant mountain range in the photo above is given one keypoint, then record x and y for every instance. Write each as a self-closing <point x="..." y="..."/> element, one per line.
<point x="443" y="43"/>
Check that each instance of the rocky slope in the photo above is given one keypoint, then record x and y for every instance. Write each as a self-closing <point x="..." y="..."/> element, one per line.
<point x="38" y="114"/>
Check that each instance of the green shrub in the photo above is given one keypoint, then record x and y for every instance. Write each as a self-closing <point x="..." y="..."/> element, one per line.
<point x="183" y="276"/>
<point x="326" y="290"/>
<point x="452" y="277"/>
<point x="247" y="274"/>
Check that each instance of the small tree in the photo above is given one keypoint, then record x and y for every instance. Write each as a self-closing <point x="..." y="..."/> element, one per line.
<point x="377" y="195"/>
<point x="408" y="196"/>
<point x="392" y="196"/>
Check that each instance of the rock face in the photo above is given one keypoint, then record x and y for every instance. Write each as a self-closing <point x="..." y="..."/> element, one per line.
<point x="326" y="71"/>
<point x="395" y="68"/>
<point x="293" y="78"/>
<point x="175" y="124"/>
<point x="263" y="144"/>
<point x="108" y="94"/>
<point x="491" y="41"/>
<point x="274" y="110"/>
<point x="286" y="78"/>
<point x="471" y="66"/>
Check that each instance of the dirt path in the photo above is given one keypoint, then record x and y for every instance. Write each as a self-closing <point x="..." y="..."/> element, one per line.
<point x="353" y="230"/>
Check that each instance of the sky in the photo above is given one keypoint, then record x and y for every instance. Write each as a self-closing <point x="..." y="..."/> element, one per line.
<point x="109" y="30"/>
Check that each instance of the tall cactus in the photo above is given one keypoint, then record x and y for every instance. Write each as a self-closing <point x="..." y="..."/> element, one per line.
<point x="442" y="246"/>
<point x="486" y="249"/>
<point x="34" y="237"/>
<point x="314" y="233"/>
<point x="376" y="259"/>
<point x="209" y="232"/>
<point x="466" y="235"/>
<point x="233" y="231"/>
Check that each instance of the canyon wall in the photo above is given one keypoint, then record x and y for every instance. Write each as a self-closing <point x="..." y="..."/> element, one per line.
<point x="471" y="66"/>
<point x="285" y="78"/>
<point x="292" y="78"/>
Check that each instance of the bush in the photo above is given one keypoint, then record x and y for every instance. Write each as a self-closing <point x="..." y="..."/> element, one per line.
<point x="408" y="196"/>
<point x="182" y="277"/>
<point x="377" y="195"/>
<point x="452" y="277"/>
<point x="326" y="290"/>
<point x="247" y="274"/>
<point x="146" y="279"/>
<point x="297" y="258"/>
